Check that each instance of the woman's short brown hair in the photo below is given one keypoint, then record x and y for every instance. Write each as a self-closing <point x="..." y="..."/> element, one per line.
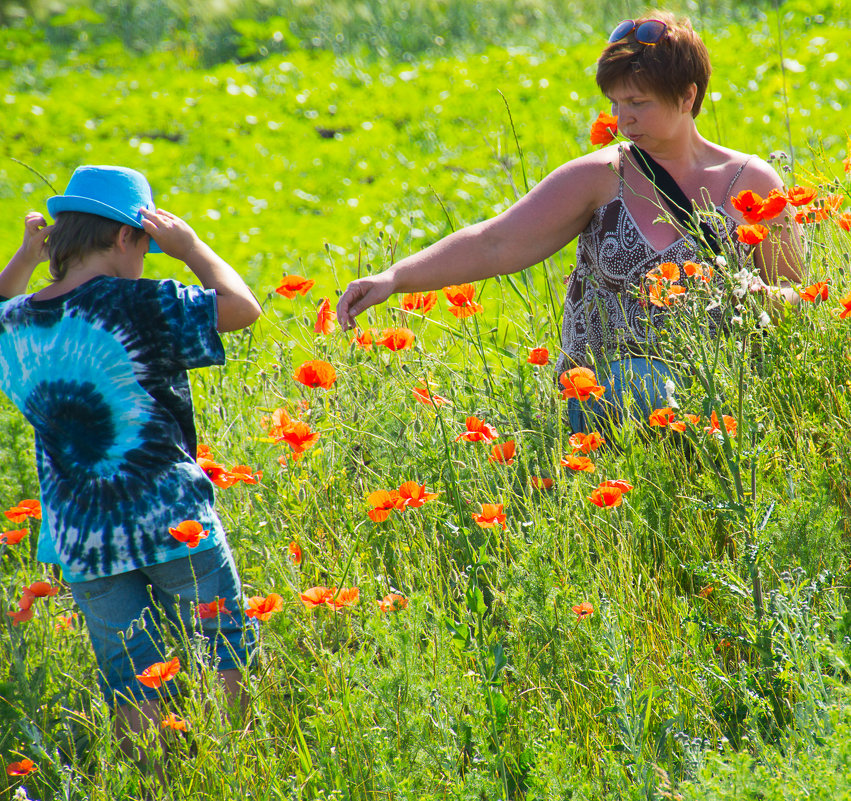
<point x="665" y="69"/>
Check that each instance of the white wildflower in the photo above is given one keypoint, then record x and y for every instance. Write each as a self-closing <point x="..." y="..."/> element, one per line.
<point x="764" y="319"/>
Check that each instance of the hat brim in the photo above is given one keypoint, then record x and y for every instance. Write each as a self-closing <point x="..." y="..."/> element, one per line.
<point x="59" y="203"/>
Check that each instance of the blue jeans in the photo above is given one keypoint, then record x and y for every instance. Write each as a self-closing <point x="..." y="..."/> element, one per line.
<point x="640" y="379"/>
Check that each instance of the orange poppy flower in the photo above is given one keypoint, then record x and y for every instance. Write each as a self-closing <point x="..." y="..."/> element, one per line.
<point x="580" y="383"/>
<point x="714" y="426"/>
<point x="845" y="309"/>
<point x="294" y="550"/>
<point x="694" y="419"/>
<point x="503" y="452"/>
<point x="217" y="473"/>
<point x="751" y="234"/>
<point x="801" y="195"/>
<point x="383" y="502"/>
<point x="160" y="672"/>
<point x="316" y="373"/>
<point x="291" y="285"/>
<point x="364" y="340"/>
<point x="299" y="437"/>
<point x="316" y="596"/>
<point x="414" y="495"/>
<point x="343" y="598"/>
<point x="618" y="484"/>
<point x="539" y="356"/>
<point x="666" y="271"/>
<point x="581" y="464"/>
<point x="13" y="537"/>
<point x="814" y="292"/>
<point x="425" y="396"/>
<point x="661" y="294"/>
<point x="477" y="431"/>
<point x="393" y="603"/>
<point x="461" y="298"/>
<point x="22" y="768"/>
<point x="750" y="204"/>
<point x="604" y="129"/>
<point x="324" y="318"/>
<point x="583" y="610"/>
<point x="263" y="608"/>
<point x="241" y="472"/>
<point x="65" y="622"/>
<point x="706" y="591"/>
<point x="702" y="272"/>
<point x="21" y="616"/>
<point x="280" y="422"/>
<point x="662" y="417"/>
<point x="846" y="162"/>
<point x="190" y="532"/>
<point x="396" y="338"/>
<point x="207" y="611"/>
<point x="679" y="426"/>
<point x="844" y="220"/>
<point x="26" y="508"/>
<point x="542" y="483"/>
<point x="490" y="516"/>
<point x="171" y="721"/>
<point x="586" y="442"/>
<point x="419" y="300"/>
<point x="41" y="589"/>
<point x="773" y="204"/>
<point x="606" y="496"/>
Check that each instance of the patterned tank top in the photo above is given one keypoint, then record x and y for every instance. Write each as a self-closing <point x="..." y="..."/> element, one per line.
<point x="601" y="313"/>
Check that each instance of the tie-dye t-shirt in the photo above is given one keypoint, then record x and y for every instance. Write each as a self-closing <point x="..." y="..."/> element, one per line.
<point x="100" y="373"/>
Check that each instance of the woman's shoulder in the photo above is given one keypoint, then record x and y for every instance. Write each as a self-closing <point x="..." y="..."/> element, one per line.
<point x="748" y="171"/>
<point x="593" y="176"/>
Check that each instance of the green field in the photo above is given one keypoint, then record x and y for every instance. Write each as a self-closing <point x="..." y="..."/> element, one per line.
<point x="328" y="140"/>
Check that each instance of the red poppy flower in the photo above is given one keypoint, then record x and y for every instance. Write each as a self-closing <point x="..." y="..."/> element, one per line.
<point x="396" y="338"/>
<point x="750" y="204"/>
<point x="414" y="495"/>
<point x="490" y="516"/>
<point x="217" y="473"/>
<point x="299" y="437"/>
<point x="348" y="597"/>
<point x="294" y="550"/>
<point x="160" y="672"/>
<point x="503" y="452"/>
<point x="171" y="721"/>
<point x="425" y="396"/>
<point x="539" y="356"/>
<point x="846" y="162"/>
<point x="65" y="622"/>
<point x="844" y="220"/>
<point x="580" y="383"/>
<point x="325" y="318"/>
<point x="618" y="484"/>
<point x="801" y="195"/>
<point x="383" y="502"/>
<point x="291" y="285"/>
<point x="280" y="422"/>
<point x="845" y="310"/>
<point x="542" y="483"/>
<point x="814" y="292"/>
<point x="701" y="272"/>
<point x="21" y="616"/>
<point x="586" y="442"/>
<point x="583" y="610"/>
<point x="364" y="340"/>
<point x="606" y="496"/>
<point x="263" y="608"/>
<point x="706" y="591"/>
<point x="26" y="508"/>
<point x="41" y="589"/>
<point x="13" y="537"/>
<point x="393" y="603"/>
<point x="244" y="473"/>
<point x="773" y="204"/>
<point x="316" y="373"/>
<point x="207" y="611"/>
<point x="751" y="234"/>
<point x="22" y="768"/>
<point x="714" y="426"/>
<point x="581" y="464"/>
<point x="419" y="300"/>
<point x="662" y="417"/>
<point x="316" y="596"/>
<point x="461" y="298"/>
<point x="477" y="431"/>
<point x="604" y="129"/>
<point x="190" y="532"/>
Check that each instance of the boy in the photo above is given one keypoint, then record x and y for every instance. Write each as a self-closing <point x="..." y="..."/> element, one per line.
<point x="97" y="362"/>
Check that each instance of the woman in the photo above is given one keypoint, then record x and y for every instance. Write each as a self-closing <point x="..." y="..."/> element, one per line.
<point x="655" y="73"/>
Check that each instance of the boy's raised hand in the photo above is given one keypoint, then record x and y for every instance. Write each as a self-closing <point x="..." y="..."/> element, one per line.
<point x="36" y="230"/>
<point x="175" y="236"/>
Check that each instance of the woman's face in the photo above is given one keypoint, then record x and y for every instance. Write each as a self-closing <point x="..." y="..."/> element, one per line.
<point x="643" y="117"/>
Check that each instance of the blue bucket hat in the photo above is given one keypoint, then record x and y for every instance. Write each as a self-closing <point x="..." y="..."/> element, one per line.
<point x="117" y="193"/>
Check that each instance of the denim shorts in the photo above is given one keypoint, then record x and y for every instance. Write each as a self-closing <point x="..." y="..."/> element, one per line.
<point x="633" y="384"/>
<point x="127" y="627"/>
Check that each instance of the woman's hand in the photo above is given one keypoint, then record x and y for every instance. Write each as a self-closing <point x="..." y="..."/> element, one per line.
<point x="361" y="294"/>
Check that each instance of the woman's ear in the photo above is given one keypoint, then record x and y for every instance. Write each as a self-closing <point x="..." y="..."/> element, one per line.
<point x="689" y="98"/>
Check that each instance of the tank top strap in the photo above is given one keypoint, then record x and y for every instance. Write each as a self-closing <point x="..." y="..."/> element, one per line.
<point x="620" y="171"/>
<point x="735" y="178"/>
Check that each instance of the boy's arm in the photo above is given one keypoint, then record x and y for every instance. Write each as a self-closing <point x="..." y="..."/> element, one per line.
<point x="237" y="306"/>
<point x="16" y="276"/>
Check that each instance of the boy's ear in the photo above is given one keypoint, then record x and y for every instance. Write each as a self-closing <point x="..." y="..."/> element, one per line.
<point x="124" y="237"/>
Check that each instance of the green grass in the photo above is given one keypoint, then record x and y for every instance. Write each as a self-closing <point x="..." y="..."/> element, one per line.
<point x="487" y="685"/>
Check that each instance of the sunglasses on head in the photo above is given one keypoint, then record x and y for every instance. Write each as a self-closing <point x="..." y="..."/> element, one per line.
<point x="648" y="32"/>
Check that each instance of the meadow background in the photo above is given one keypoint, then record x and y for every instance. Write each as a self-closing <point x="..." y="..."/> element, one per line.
<point x="326" y="140"/>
